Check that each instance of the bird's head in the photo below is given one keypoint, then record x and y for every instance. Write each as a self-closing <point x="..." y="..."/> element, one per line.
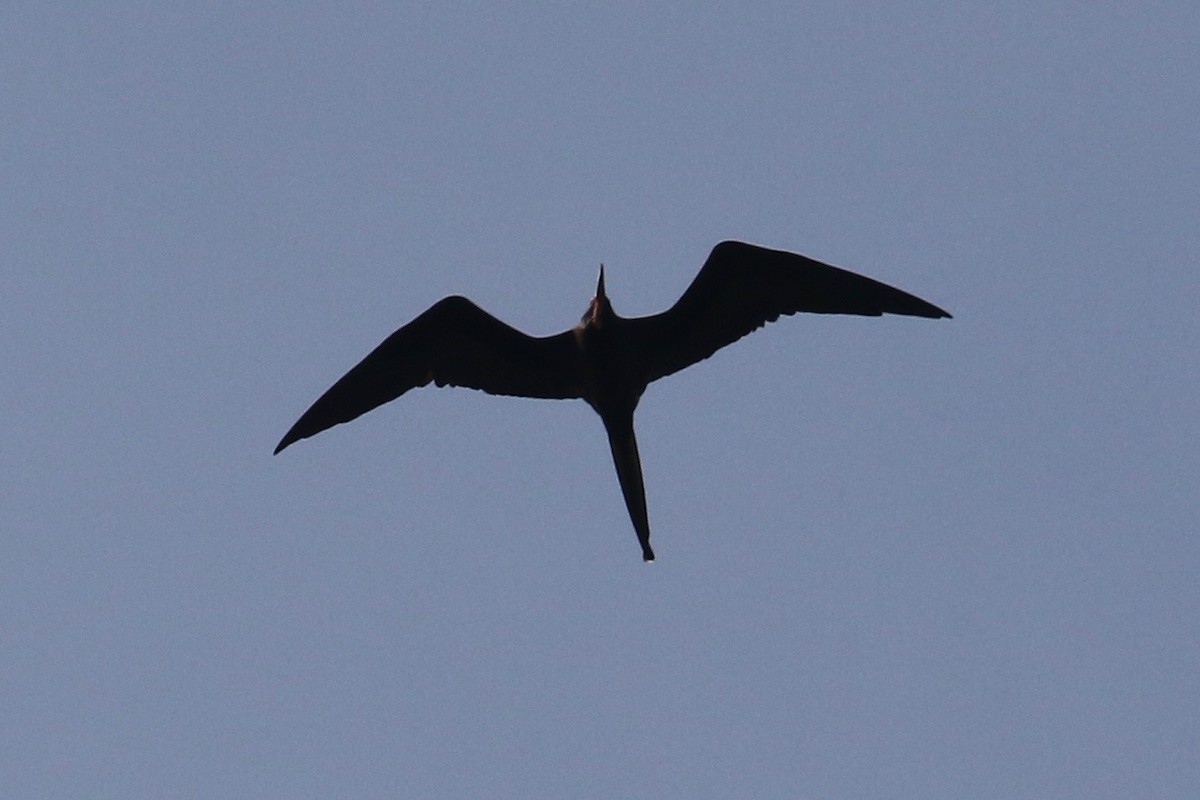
<point x="599" y="309"/>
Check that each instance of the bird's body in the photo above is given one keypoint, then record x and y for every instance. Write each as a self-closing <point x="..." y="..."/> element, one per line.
<point x="606" y="360"/>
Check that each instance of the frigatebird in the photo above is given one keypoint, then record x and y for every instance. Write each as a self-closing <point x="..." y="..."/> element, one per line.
<point x="606" y="360"/>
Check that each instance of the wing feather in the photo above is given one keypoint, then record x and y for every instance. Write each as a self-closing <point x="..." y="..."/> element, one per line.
<point x="742" y="287"/>
<point x="454" y="343"/>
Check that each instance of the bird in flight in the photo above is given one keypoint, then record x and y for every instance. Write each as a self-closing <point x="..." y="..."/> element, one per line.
<point x="606" y="360"/>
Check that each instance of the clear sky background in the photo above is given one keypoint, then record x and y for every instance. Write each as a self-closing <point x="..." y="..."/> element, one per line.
<point x="897" y="557"/>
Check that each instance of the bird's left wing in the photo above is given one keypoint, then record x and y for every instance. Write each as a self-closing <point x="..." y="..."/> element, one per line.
<point x="454" y="343"/>
<point x="742" y="287"/>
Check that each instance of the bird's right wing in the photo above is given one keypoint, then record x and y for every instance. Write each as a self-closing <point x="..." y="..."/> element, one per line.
<point x="742" y="287"/>
<point x="454" y="343"/>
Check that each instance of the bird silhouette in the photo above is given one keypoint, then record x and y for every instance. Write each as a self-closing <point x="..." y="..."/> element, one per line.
<point x="605" y="360"/>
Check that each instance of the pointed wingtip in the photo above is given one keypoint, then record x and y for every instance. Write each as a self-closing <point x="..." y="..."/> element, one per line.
<point x="600" y="283"/>
<point x="924" y="308"/>
<point x="301" y="430"/>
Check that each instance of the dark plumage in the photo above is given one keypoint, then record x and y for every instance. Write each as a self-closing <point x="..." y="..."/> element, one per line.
<point x="605" y="360"/>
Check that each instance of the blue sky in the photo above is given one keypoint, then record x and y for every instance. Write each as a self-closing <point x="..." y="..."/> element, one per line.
<point x="897" y="557"/>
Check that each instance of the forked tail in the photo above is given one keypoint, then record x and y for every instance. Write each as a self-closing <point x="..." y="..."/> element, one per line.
<point x="629" y="473"/>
